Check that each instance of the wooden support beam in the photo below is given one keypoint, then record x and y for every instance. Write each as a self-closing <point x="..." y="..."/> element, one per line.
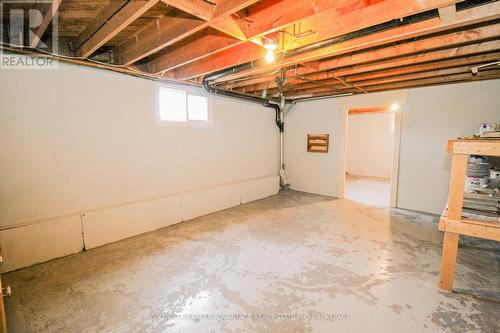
<point x="270" y="16"/>
<point x="454" y="66"/>
<point x="467" y="77"/>
<point x="225" y="7"/>
<point x="218" y="14"/>
<point x="159" y="34"/>
<point x="168" y="31"/>
<point x="263" y="18"/>
<point x="339" y="24"/>
<point x="441" y="76"/>
<point x="260" y="82"/>
<point x="350" y="85"/>
<point x="208" y="42"/>
<point x="48" y="15"/>
<point x="486" y="75"/>
<point x="448" y="14"/>
<point x="418" y="68"/>
<point x="387" y="37"/>
<point x="365" y="85"/>
<point x="228" y="25"/>
<point x="464" y="18"/>
<point x="102" y="16"/>
<point x="402" y="84"/>
<point x="452" y="40"/>
<point x="116" y="23"/>
<point x="202" y="9"/>
<point x="380" y="65"/>
<point x="215" y="13"/>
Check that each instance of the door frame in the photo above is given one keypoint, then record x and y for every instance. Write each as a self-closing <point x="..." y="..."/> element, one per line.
<point x="395" y="152"/>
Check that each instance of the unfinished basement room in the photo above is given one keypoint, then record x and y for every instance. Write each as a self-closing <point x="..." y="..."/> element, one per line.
<point x="249" y="166"/>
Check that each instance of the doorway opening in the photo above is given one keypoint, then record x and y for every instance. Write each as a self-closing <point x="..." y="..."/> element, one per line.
<point x="372" y="156"/>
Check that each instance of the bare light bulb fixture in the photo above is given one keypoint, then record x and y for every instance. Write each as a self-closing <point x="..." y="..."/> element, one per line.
<point x="269" y="57"/>
<point x="270" y="45"/>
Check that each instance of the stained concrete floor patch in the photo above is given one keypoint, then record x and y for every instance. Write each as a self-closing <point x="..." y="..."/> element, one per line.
<point x="294" y="262"/>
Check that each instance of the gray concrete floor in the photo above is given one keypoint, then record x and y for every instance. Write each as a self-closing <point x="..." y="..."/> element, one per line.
<point x="294" y="262"/>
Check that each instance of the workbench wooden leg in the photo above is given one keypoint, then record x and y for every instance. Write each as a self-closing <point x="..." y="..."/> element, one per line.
<point x="448" y="260"/>
<point x="457" y="182"/>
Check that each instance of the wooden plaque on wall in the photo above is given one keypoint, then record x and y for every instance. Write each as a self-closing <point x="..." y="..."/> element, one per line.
<point x="317" y="143"/>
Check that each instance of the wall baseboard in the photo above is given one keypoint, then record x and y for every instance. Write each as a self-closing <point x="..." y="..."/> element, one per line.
<point x="32" y="244"/>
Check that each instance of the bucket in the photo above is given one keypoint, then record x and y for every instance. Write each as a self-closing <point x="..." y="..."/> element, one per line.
<point x="476" y="159"/>
<point x="475" y="183"/>
<point x="478" y="169"/>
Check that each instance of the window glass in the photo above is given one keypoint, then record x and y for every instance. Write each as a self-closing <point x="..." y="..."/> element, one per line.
<point x="172" y="105"/>
<point x="197" y="108"/>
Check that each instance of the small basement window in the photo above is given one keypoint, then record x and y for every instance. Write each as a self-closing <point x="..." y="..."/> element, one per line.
<point x="181" y="106"/>
<point x="197" y="108"/>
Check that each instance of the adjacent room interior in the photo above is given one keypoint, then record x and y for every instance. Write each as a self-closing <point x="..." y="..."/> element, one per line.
<point x="370" y="155"/>
<point x="249" y="166"/>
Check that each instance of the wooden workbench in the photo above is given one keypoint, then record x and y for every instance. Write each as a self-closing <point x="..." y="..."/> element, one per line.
<point x="452" y="222"/>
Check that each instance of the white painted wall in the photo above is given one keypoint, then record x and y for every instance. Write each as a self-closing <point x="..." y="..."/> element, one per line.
<point x="430" y="116"/>
<point x="80" y="140"/>
<point x="370" y="144"/>
<point x="314" y="172"/>
<point x="319" y="173"/>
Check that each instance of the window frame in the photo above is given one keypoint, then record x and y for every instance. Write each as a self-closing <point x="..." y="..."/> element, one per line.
<point x="189" y="122"/>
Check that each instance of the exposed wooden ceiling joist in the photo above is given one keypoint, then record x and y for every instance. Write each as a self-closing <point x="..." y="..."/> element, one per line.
<point x="367" y="84"/>
<point x="483" y="75"/>
<point x="163" y="33"/>
<point x="212" y="42"/>
<point x="202" y="9"/>
<point x="461" y="65"/>
<point x="108" y="27"/>
<point x="326" y="46"/>
<point x="379" y="65"/>
<point x="473" y="15"/>
<point x="48" y="15"/>
<point x="367" y="78"/>
<point x="437" y="80"/>
<point x="264" y="19"/>
<point x="448" y="14"/>
<point x="228" y="25"/>
<point x="397" y="35"/>
<point x="102" y="16"/>
<point x="338" y="24"/>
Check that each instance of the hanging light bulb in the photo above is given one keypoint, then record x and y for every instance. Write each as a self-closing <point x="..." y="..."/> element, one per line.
<point x="270" y="44"/>
<point x="269" y="56"/>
